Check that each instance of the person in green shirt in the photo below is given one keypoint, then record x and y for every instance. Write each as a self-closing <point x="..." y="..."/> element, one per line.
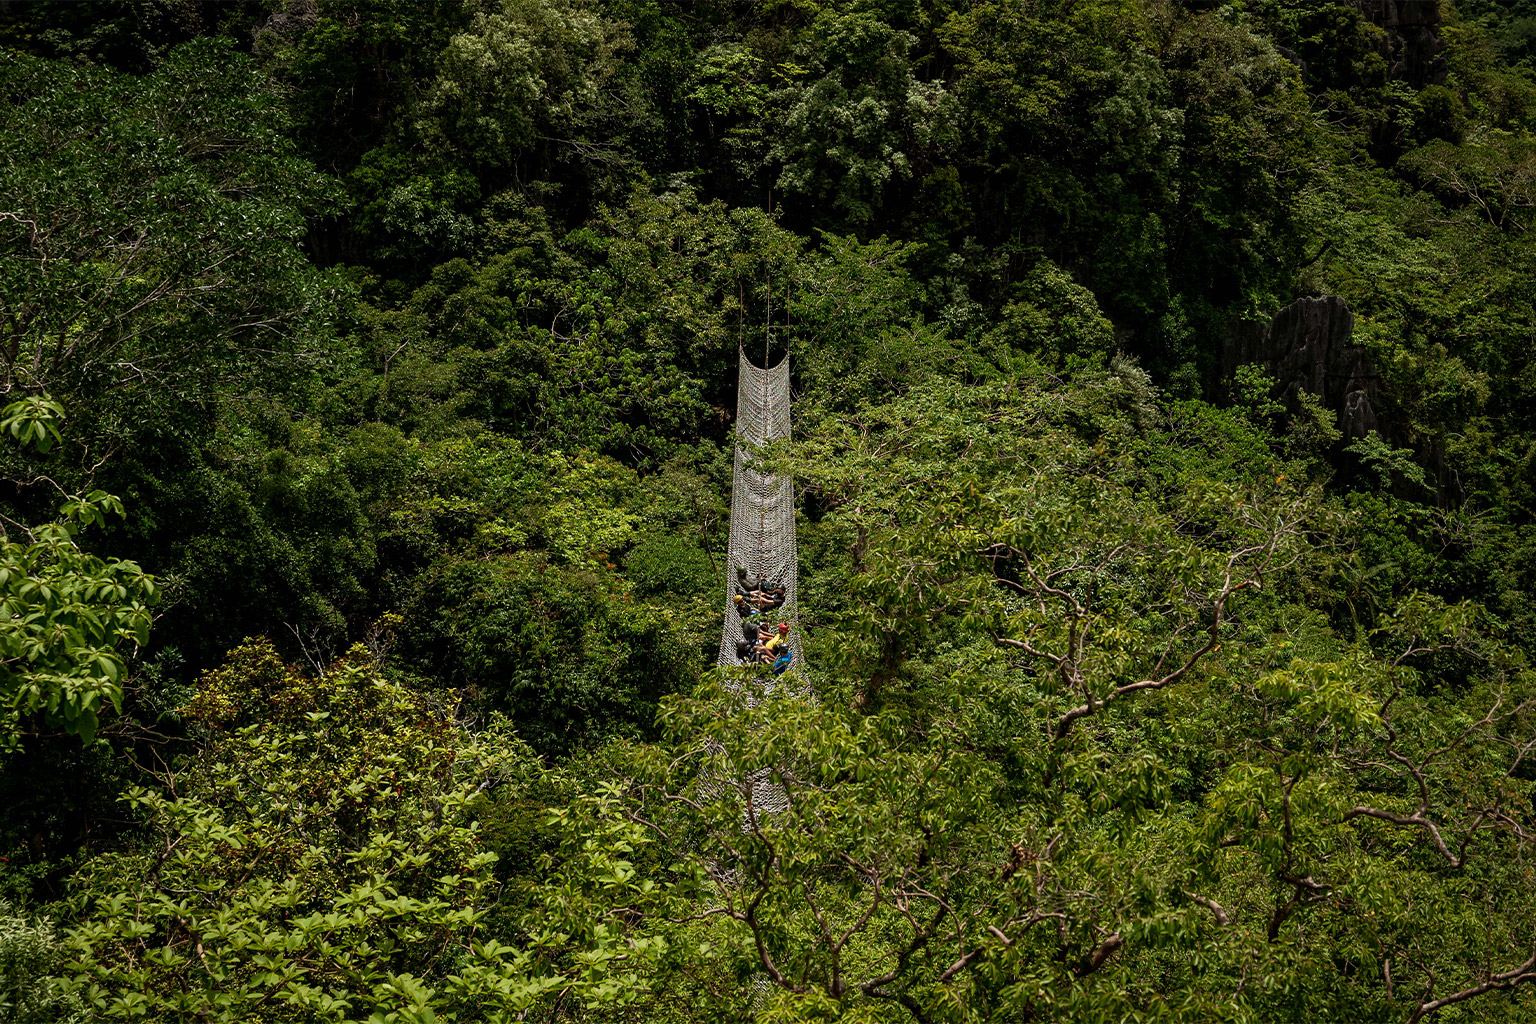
<point x="746" y="585"/>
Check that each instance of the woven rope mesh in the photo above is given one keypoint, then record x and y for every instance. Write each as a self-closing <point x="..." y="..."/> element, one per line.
<point x="762" y="510"/>
<point x="763" y="543"/>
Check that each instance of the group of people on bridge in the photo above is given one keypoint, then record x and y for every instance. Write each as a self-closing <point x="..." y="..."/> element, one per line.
<point x="761" y="642"/>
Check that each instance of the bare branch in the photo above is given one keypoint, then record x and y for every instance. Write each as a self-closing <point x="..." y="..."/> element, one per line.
<point x="1526" y="972"/>
<point x="1216" y="909"/>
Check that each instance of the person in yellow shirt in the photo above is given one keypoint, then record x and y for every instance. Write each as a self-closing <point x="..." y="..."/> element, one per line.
<point x="770" y="649"/>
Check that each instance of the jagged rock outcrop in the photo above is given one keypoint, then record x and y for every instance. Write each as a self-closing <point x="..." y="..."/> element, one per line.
<point x="1413" y="47"/>
<point x="1307" y="346"/>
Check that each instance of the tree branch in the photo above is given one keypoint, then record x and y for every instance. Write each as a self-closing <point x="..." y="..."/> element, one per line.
<point x="1526" y="972"/>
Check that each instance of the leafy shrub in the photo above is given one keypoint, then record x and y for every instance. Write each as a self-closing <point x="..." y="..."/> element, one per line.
<point x="568" y="658"/>
<point x="325" y="863"/>
<point x="669" y="564"/>
<point x="29" y="954"/>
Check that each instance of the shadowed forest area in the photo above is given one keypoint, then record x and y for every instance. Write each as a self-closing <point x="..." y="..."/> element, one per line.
<point x="1165" y="446"/>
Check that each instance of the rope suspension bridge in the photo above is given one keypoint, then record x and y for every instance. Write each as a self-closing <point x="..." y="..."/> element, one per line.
<point x="762" y="540"/>
<point x="762" y="546"/>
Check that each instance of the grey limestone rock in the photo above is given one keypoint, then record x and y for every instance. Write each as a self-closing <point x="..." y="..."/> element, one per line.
<point x="1308" y="346"/>
<point x="1412" y="45"/>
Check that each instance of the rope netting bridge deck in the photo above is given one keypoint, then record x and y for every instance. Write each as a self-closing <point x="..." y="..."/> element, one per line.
<point x="763" y="543"/>
<point x="762" y="511"/>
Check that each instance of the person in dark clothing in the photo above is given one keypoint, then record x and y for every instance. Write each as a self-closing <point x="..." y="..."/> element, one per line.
<point x="747" y="586"/>
<point x="751" y="619"/>
<point x="757" y="639"/>
<point x="767" y="600"/>
<point x="757" y="636"/>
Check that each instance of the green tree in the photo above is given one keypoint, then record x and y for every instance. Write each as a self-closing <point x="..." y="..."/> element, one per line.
<point x="533" y="79"/>
<point x="567" y="658"/>
<point x="319" y="859"/>
<point x="153" y="253"/>
<point x="856" y="120"/>
<point x="30" y="954"/>
<point x="1084" y="747"/>
<point x="68" y="619"/>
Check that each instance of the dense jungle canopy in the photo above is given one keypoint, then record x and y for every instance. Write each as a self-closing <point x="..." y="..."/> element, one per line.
<point x="1165" y="442"/>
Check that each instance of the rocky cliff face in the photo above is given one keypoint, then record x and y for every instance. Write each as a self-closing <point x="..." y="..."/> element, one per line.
<point x="1413" y="47"/>
<point x="1307" y="346"/>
